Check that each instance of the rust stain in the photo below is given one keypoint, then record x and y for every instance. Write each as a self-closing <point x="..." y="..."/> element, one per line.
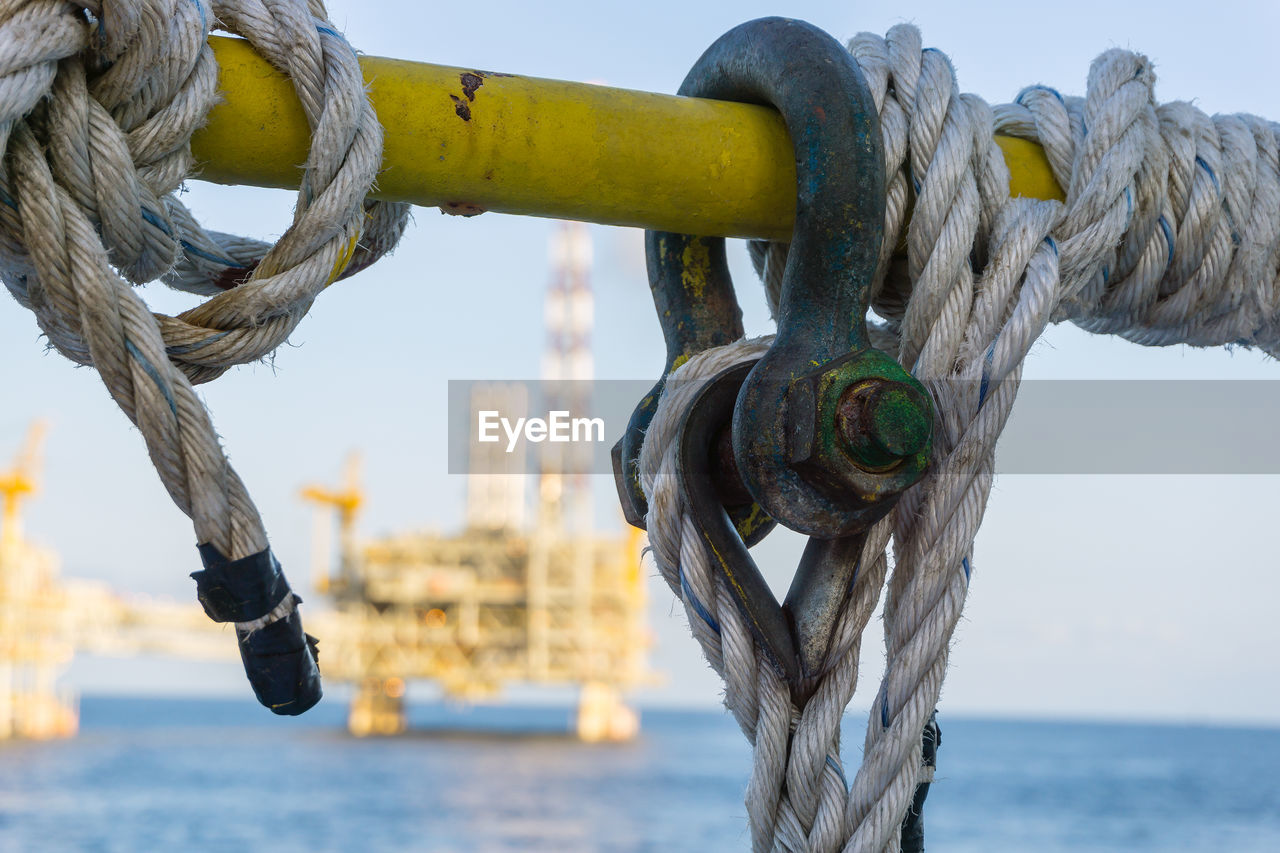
<point x="461" y="208"/>
<point x="233" y="277"/>
<point x="461" y="107"/>
<point x="471" y="80"/>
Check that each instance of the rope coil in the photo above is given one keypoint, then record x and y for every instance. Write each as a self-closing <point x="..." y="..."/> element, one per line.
<point x="1170" y="233"/>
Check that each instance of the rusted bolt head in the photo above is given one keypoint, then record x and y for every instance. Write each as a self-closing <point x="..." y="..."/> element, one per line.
<point x="883" y="423"/>
<point x="858" y="431"/>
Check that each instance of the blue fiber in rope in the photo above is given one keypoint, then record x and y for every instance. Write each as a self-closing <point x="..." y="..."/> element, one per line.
<point x="186" y="348"/>
<point x="153" y="373"/>
<point x="340" y="38"/>
<point x="986" y="373"/>
<point x="204" y="19"/>
<point x="697" y="605"/>
<point x="155" y="220"/>
<point x="201" y="253"/>
<point x="1041" y="88"/>
<point x="1168" y="236"/>
<point x="1203" y="165"/>
<point x="835" y="765"/>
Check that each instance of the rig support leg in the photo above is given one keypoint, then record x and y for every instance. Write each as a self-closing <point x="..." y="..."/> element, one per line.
<point x="603" y="716"/>
<point x="377" y="708"/>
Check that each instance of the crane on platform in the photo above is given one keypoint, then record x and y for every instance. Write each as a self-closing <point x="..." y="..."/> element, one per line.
<point x="346" y="500"/>
<point x="20" y="481"/>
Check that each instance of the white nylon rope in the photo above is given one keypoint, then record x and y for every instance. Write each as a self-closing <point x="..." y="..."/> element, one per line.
<point x="98" y="101"/>
<point x="1169" y="234"/>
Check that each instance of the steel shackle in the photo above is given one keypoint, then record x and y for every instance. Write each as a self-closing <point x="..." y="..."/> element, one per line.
<point x="826" y="431"/>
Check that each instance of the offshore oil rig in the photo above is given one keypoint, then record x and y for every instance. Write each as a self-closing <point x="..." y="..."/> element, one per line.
<point x="491" y="605"/>
<point x="34" y="617"/>
<point x="507" y="600"/>
<point x="503" y="600"/>
<point x="45" y="619"/>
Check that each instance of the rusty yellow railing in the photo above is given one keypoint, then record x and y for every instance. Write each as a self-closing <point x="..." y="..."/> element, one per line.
<point x="469" y="139"/>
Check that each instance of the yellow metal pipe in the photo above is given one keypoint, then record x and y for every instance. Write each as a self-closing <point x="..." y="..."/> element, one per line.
<point x="465" y="139"/>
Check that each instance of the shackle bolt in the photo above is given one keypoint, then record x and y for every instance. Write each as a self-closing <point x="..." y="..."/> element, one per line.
<point x="882" y="423"/>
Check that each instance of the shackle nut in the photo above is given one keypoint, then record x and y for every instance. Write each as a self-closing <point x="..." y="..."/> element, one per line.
<point x="882" y="423"/>
<point x="860" y="429"/>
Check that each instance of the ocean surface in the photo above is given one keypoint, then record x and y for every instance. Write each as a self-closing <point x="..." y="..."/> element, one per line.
<point x="217" y="775"/>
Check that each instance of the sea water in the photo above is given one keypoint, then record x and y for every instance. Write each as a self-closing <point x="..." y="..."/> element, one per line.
<point x="219" y="775"/>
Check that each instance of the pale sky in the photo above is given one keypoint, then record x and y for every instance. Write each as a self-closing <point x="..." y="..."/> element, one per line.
<point x="1099" y="596"/>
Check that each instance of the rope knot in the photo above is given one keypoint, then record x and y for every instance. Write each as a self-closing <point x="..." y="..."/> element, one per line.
<point x="98" y="103"/>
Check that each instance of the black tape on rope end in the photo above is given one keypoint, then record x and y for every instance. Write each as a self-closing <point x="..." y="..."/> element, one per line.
<point x="280" y="659"/>
<point x="913" y="824"/>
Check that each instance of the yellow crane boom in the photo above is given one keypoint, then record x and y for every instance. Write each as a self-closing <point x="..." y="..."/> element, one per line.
<point x="20" y="480"/>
